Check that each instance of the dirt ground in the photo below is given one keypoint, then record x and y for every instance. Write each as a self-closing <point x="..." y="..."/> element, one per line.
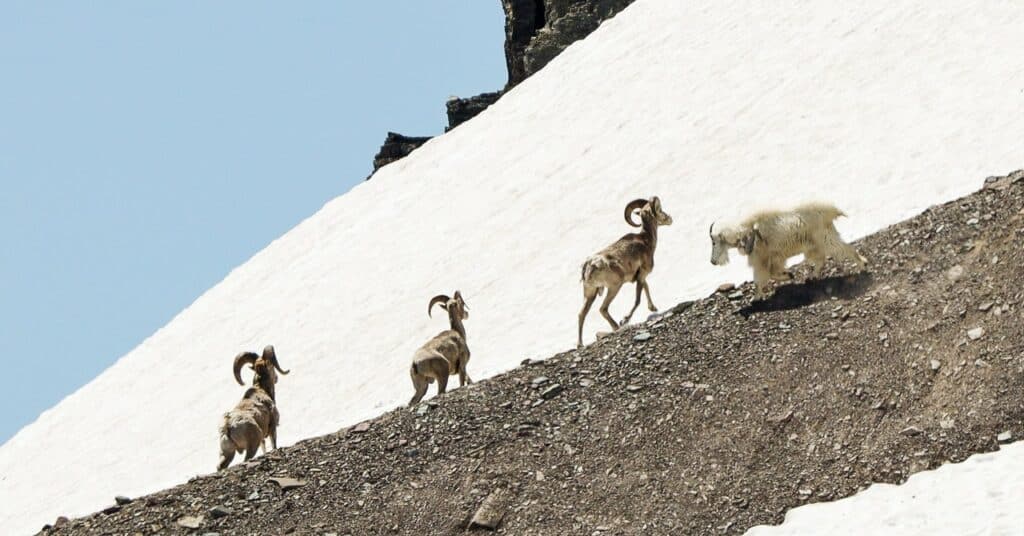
<point x="719" y="416"/>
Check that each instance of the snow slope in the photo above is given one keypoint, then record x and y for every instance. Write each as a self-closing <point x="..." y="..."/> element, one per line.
<point x="980" y="496"/>
<point x="884" y="107"/>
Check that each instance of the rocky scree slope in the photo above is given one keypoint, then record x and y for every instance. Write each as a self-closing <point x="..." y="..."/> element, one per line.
<point x="716" y="416"/>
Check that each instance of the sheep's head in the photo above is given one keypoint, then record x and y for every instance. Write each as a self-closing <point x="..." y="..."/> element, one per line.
<point x="650" y="209"/>
<point x="262" y="366"/>
<point x="455" y="305"/>
<point x="723" y="239"/>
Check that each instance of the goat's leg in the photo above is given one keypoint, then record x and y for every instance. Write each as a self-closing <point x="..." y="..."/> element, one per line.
<point x="250" y="451"/>
<point x="273" y="438"/>
<point x="636" y="303"/>
<point x="464" y="378"/>
<point x="589" y="295"/>
<point x="420" y="384"/>
<point x="612" y="291"/>
<point x="761" y="278"/>
<point x="816" y="260"/>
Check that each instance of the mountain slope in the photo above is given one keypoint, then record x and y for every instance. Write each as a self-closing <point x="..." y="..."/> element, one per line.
<point x="728" y="415"/>
<point x="883" y="108"/>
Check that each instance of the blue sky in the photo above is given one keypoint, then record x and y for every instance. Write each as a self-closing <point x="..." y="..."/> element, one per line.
<point x="147" y="149"/>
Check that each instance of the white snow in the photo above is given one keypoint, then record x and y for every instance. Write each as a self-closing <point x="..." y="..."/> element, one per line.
<point x="980" y="496"/>
<point x="883" y="107"/>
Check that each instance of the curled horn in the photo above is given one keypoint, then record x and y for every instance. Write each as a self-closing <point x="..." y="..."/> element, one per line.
<point x="439" y="298"/>
<point x="633" y="205"/>
<point x="242" y="359"/>
<point x="270" y="355"/>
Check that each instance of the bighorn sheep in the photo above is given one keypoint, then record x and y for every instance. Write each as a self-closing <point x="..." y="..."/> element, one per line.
<point x="768" y="238"/>
<point x="445" y="354"/>
<point x="630" y="258"/>
<point x="255" y="418"/>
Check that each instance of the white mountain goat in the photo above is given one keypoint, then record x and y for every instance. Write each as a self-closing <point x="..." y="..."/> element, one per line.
<point x="445" y="354"/>
<point x="630" y="258"/>
<point x="255" y="417"/>
<point x="768" y="238"/>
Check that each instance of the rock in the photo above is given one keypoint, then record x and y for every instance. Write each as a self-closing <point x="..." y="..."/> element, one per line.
<point x="254" y="496"/>
<point x="947" y="424"/>
<point x="112" y="509"/>
<point x="633" y="388"/>
<point x="781" y="417"/>
<point x="975" y="333"/>
<point x="935" y="364"/>
<point x="586" y="382"/>
<point x="985" y="306"/>
<point x="122" y="500"/>
<point x="396" y="147"/>
<point x="1005" y="437"/>
<point x="220" y="511"/>
<point x="462" y="110"/>
<point x="911" y="431"/>
<point x="725" y="287"/>
<point x="642" y="336"/>
<point x="955" y="273"/>
<point x="538" y="381"/>
<point x="492" y="510"/>
<point x="190" y="522"/>
<point x="735" y="295"/>
<point x="287" y="483"/>
<point x="61" y="521"/>
<point x="422" y="409"/>
<point x="540" y="476"/>
<point x="362" y="427"/>
<point x="551" y="392"/>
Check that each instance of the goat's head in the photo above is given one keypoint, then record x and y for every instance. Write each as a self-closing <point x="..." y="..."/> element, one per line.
<point x="650" y="209"/>
<point x="262" y="366"/>
<point x="455" y="305"/>
<point x="728" y="237"/>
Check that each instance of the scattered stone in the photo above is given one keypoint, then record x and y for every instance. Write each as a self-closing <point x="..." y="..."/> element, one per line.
<point x="805" y="492"/>
<point x="122" y="500"/>
<point x="422" y="409"/>
<point x="551" y="392"/>
<point x="955" y="273"/>
<point x="633" y="388"/>
<point x="975" y="333"/>
<point x="362" y="427"/>
<point x="492" y="510"/>
<point x="642" y="336"/>
<point x="112" y="509"/>
<point x="947" y="424"/>
<point x="912" y="431"/>
<point x="61" y="521"/>
<point x="538" y="381"/>
<point x="220" y="511"/>
<point x="783" y="417"/>
<point x="985" y="306"/>
<point x="254" y="496"/>
<point x="735" y="295"/>
<point x="586" y="382"/>
<point x="726" y="287"/>
<point x="287" y="483"/>
<point x="540" y="476"/>
<point x="935" y="364"/>
<point x="1005" y="437"/>
<point x="190" y="522"/>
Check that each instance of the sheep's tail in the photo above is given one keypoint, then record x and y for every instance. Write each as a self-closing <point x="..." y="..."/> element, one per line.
<point x="587" y="270"/>
<point x="226" y="443"/>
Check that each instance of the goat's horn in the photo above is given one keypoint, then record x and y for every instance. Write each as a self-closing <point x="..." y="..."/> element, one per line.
<point x="242" y="359"/>
<point x="633" y="205"/>
<point x="439" y="298"/>
<point x="711" y="229"/>
<point x="270" y="355"/>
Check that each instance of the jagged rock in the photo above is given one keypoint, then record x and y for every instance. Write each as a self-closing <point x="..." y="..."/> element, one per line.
<point x="491" y="511"/>
<point x="642" y="336"/>
<point x="975" y="333"/>
<point x="462" y="110"/>
<point x="287" y="483"/>
<point x="935" y="364"/>
<point x="220" y="511"/>
<point x="190" y="522"/>
<point x="1005" y="437"/>
<point x="361" y="428"/>
<point x="396" y="147"/>
<point x="122" y="500"/>
<point x="551" y="392"/>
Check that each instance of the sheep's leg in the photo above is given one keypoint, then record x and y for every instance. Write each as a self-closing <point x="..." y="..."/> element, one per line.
<point x="273" y="438"/>
<point x="250" y="451"/>
<point x="464" y="378"/>
<point x="442" y="384"/>
<point x="636" y="303"/>
<point x="650" y="303"/>
<point x="612" y="291"/>
<point x="263" y="445"/>
<point x="420" y="384"/>
<point x="761" y="278"/>
<point x="589" y="295"/>
<point x="225" y="458"/>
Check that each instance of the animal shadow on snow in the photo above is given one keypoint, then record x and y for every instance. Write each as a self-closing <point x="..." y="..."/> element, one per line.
<point x="796" y="295"/>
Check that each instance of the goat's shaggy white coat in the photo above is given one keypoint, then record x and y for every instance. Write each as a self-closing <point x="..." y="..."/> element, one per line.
<point x="770" y="237"/>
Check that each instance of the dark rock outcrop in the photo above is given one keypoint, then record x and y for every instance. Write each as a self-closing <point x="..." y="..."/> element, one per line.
<point x="396" y="147"/>
<point x="535" y="32"/>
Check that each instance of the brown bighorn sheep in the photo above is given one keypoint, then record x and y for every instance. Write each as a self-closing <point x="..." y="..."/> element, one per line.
<point x="768" y="238"/>
<point x="445" y="354"/>
<point x="630" y="258"/>
<point x="255" y="418"/>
